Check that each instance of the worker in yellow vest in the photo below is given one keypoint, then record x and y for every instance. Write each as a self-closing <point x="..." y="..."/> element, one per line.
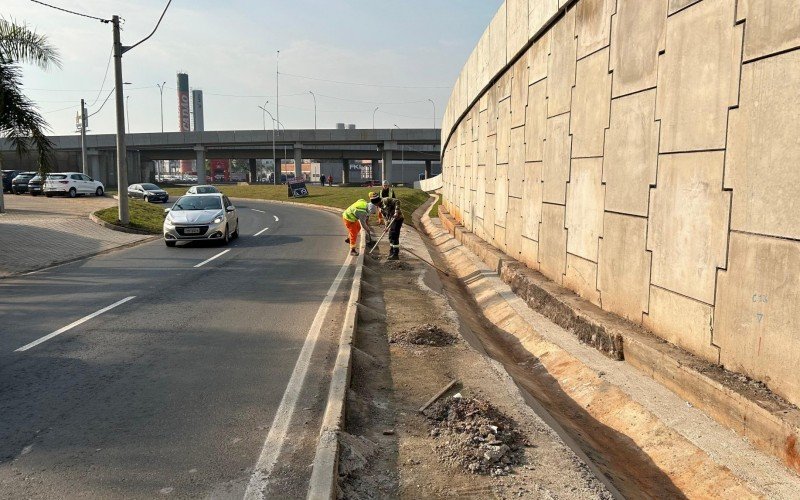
<point x="357" y="216"/>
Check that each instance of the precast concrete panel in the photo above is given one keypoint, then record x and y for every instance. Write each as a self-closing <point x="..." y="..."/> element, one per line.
<point x="631" y="153"/>
<point x="762" y="165"/>
<point x="532" y="200"/>
<point x="537" y="59"/>
<point x="519" y="92"/>
<point x="682" y="321"/>
<point x="514" y="227"/>
<point x="499" y="240"/>
<point x="539" y="14"/>
<point x="536" y="121"/>
<point x="491" y="110"/>
<point x="698" y="78"/>
<point x="516" y="26"/>
<point x="491" y="163"/>
<point x="498" y="56"/>
<point x="590" y="105"/>
<point x="501" y="195"/>
<point x="529" y="255"/>
<point x="581" y="276"/>
<point x="593" y="25"/>
<point x="756" y="323"/>
<point x="624" y="266"/>
<point x="584" y="216"/>
<point x="488" y="218"/>
<point x="676" y="5"/>
<point x="553" y="242"/>
<point x="503" y="130"/>
<point x="561" y="65"/>
<point x="556" y="159"/>
<point x="688" y="230"/>
<point x="516" y="163"/>
<point x="483" y="125"/>
<point x="771" y="26"/>
<point x="480" y="190"/>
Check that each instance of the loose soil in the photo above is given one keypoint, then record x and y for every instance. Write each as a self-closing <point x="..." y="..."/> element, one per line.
<point x="427" y="334"/>
<point x="391" y="450"/>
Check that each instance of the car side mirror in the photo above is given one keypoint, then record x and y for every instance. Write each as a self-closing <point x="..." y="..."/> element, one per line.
<point x="230" y="208"/>
<point x="166" y="211"/>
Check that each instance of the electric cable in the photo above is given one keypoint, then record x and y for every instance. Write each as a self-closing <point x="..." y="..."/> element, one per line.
<point x="72" y="12"/>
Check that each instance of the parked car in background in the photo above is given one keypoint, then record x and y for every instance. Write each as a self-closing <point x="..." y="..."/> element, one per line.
<point x="7" y="176"/>
<point x="201" y="217"/>
<point x="35" y="185"/>
<point x="202" y="189"/>
<point x="148" y="192"/>
<point x="19" y="184"/>
<point x="71" y="184"/>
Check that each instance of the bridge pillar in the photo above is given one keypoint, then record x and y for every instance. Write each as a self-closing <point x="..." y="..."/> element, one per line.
<point x="251" y="164"/>
<point x="345" y="171"/>
<point x="386" y="169"/>
<point x="200" y="166"/>
<point x="376" y="174"/>
<point x="298" y="161"/>
<point x="93" y="156"/>
<point x="428" y="169"/>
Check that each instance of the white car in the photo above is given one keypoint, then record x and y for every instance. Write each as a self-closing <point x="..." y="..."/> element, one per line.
<point x="71" y="184"/>
<point x="202" y="189"/>
<point x="201" y="217"/>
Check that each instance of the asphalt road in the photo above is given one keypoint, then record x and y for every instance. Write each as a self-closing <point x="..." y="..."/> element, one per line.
<point x="174" y="391"/>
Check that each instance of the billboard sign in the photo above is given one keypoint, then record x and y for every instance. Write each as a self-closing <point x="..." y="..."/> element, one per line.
<point x="184" y="121"/>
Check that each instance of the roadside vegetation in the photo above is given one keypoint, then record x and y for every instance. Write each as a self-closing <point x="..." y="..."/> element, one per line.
<point x="150" y="216"/>
<point x="145" y="216"/>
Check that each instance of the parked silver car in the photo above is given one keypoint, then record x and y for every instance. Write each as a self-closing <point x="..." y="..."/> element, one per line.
<point x="201" y="217"/>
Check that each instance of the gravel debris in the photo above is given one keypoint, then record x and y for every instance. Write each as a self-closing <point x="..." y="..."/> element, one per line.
<point x="426" y="334"/>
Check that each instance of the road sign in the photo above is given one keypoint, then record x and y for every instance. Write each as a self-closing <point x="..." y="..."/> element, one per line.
<point x="297" y="189"/>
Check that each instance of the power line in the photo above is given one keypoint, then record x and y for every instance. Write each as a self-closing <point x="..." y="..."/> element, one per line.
<point x="72" y="12"/>
<point x="108" y="65"/>
<point x="61" y="109"/>
<point x="367" y="84"/>
<point x="104" y="103"/>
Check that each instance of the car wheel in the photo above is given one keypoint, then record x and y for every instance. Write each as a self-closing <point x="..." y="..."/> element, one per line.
<point x="49" y="195"/>
<point x="235" y="234"/>
<point x="146" y="199"/>
<point x="73" y="192"/>
<point x="226" y="237"/>
<point x="170" y="243"/>
<point x="99" y="191"/>
<point x="34" y="194"/>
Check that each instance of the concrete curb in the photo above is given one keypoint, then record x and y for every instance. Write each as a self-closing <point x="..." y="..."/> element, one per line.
<point x="324" y="474"/>
<point x="121" y="229"/>
<point x="770" y="424"/>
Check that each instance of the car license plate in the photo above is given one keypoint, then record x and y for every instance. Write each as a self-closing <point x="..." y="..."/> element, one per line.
<point x="192" y="230"/>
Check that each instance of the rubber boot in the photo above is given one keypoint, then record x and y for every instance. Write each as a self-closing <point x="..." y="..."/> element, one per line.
<point x="394" y="254"/>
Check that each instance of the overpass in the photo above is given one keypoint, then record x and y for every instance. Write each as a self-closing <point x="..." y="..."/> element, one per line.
<point x="383" y="145"/>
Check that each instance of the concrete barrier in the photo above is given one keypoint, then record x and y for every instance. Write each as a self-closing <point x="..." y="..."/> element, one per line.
<point x="429" y="185"/>
<point x="593" y="141"/>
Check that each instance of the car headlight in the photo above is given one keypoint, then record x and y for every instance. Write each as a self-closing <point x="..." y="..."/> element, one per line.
<point x="219" y="218"/>
<point x="168" y="222"/>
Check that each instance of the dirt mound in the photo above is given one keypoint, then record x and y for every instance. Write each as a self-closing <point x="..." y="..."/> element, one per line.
<point x="427" y="334"/>
<point x="476" y="436"/>
<point x="398" y="265"/>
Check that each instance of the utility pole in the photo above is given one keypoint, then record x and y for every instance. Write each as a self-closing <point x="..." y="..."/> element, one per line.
<point x="434" y="112"/>
<point x="277" y="88"/>
<point x="83" y="139"/>
<point x="122" y="160"/>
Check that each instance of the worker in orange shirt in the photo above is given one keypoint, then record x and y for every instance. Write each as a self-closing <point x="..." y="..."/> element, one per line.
<point x="357" y="216"/>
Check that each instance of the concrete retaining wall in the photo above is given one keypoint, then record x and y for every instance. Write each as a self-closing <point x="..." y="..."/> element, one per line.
<point x="429" y="185"/>
<point x="645" y="156"/>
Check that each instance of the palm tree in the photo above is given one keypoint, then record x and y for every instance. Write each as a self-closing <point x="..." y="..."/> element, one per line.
<point x="20" y="120"/>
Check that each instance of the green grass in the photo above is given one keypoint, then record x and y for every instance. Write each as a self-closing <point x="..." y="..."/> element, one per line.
<point x="434" y="212"/>
<point x="146" y="216"/>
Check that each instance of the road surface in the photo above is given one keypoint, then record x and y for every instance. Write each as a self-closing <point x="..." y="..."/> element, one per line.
<point x="154" y="371"/>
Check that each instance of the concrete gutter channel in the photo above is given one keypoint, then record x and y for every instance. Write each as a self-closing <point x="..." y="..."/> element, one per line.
<point x="769" y="423"/>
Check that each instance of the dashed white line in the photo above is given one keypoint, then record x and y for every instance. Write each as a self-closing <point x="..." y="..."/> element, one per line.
<point x="257" y="210"/>
<point x="276" y="218"/>
<point x="280" y="424"/>
<point x="214" y="257"/>
<point x="259" y="233"/>
<point x="74" y="324"/>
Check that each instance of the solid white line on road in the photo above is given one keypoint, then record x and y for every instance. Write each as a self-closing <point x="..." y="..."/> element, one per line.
<point x="257" y="210"/>
<point x="259" y="233"/>
<point x="212" y="258"/>
<point x="283" y="417"/>
<point x="73" y="324"/>
<point x="276" y="218"/>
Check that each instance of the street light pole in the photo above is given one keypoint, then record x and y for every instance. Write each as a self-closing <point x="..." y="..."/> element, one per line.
<point x="373" y="117"/>
<point x="277" y="87"/>
<point x="315" y="109"/>
<point x="434" y="112"/>
<point x="128" y="111"/>
<point x="161" y="91"/>
<point x="263" y="116"/>
<point x="274" y="159"/>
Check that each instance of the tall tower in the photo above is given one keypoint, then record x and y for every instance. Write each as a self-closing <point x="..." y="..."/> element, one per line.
<point x="184" y="121"/>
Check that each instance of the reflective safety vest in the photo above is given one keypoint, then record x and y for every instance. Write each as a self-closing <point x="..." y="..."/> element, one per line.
<point x="351" y="214"/>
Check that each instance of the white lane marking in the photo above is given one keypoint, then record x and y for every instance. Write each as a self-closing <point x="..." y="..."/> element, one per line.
<point x="212" y="258"/>
<point x="280" y="424"/>
<point x="257" y="210"/>
<point x="74" y="324"/>
<point x="276" y="218"/>
<point x="259" y="233"/>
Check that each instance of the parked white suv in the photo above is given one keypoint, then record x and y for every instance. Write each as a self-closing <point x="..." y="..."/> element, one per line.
<point x="71" y="184"/>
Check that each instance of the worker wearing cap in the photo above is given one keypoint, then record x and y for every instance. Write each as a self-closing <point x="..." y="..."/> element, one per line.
<point x="385" y="192"/>
<point x="356" y="217"/>
<point x="390" y="207"/>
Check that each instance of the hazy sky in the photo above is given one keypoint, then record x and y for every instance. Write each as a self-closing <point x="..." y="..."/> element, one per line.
<point x="229" y="50"/>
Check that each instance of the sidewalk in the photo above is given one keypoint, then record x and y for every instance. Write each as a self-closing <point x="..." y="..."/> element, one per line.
<point x="38" y="232"/>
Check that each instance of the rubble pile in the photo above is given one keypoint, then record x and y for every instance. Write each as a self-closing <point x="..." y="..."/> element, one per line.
<point x="427" y="334"/>
<point x="476" y="436"/>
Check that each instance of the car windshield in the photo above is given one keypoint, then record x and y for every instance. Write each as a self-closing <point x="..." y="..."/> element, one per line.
<point x="198" y="203"/>
<point x="150" y="187"/>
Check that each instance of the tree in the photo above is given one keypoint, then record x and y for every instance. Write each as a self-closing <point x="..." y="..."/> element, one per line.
<point x="20" y="120"/>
